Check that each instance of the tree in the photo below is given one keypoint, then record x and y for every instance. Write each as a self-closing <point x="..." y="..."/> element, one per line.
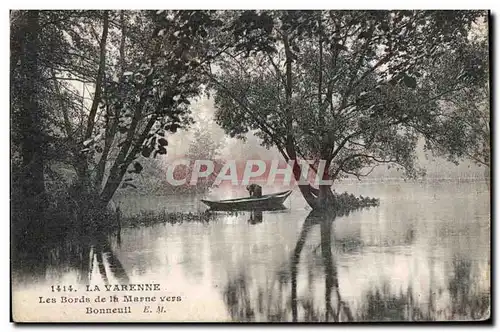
<point x="27" y="115"/>
<point x="464" y="126"/>
<point x="346" y="87"/>
<point x="115" y="84"/>
<point x="204" y="147"/>
<point x="152" y="97"/>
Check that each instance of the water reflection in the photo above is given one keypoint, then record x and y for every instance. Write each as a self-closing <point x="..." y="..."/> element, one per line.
<point x="103" y="255"/>
<point x="243" y="306"/>
<point x="465" y="304"/>
<point x="255" y="217"/>
<point x="81" y="256"/>
<point x="332" y="312"/>
<point x="421" y="255"/>
<point x="380" y="303"/>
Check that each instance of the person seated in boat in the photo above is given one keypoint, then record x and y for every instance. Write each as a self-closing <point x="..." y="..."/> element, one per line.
<point x="255" y="190"/>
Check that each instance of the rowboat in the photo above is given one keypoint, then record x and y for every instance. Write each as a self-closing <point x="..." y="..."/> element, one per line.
<point x="265" y="202"/>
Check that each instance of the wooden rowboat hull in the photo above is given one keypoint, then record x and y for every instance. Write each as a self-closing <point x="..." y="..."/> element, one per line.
<point x="266" y="202"/>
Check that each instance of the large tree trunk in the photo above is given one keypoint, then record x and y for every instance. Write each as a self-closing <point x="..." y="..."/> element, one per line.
<point x="326" y="199"/>
<point x="123" y="161"/>
<point x="306" y="189"/>
<point x="30" y="121"/>
<point x="318" y="199"/>
<point x="112" y="113"/>
<point x="131" y="145"/>
<point x="99" y="78"/>
<point x="87" y="192"/>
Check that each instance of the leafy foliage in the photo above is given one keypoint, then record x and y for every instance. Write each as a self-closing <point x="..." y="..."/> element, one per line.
<point x="350" y="87"/>
<point x="113" y="85"/>
<point x="355" y="88"/>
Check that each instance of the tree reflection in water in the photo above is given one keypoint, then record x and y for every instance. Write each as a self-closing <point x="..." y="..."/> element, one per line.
<point x="465" y="304"/>
<point x="332" y="311"/>
<point x="101" y="248"/>
<point x="78" y="256"/>
<point x="279" y="300"/>
<point x="255" y="217"/>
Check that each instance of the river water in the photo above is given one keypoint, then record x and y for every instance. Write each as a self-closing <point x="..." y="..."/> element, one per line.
<point x="423" y="254"/>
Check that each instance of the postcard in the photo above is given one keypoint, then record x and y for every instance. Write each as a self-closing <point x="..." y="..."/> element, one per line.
<point x="250" y="166"/>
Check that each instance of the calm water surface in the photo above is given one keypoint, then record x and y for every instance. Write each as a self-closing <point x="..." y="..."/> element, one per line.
<point x="423" y="254"/>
